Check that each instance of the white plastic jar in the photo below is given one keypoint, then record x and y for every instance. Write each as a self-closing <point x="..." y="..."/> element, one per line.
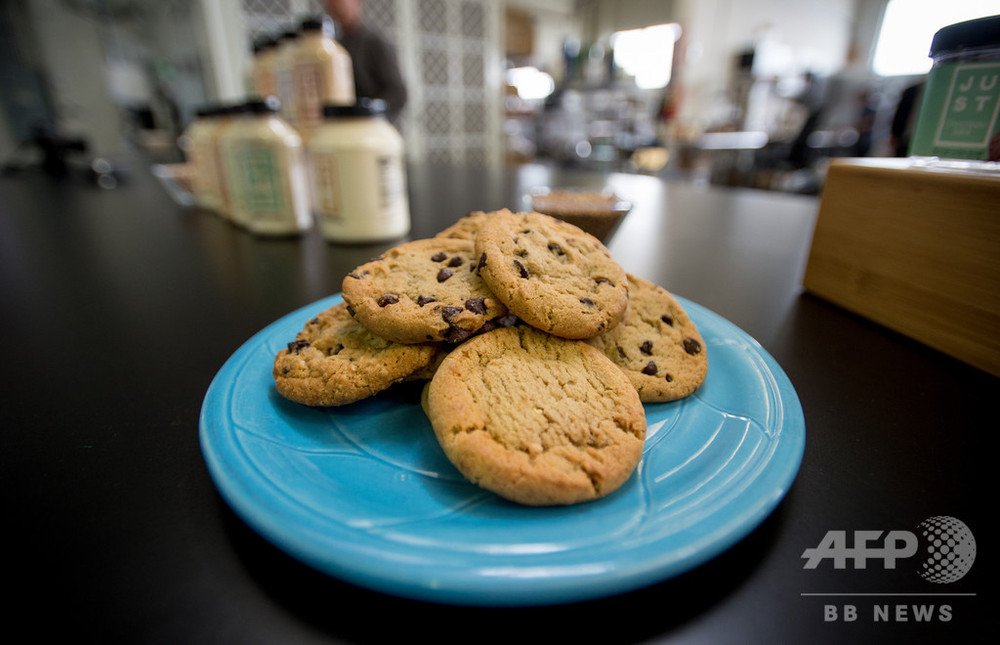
<point x="227" y="116"/>
<point x="268" y="180"/>
<point x="286" y="45"/>
<point x="322" y="73"/>
<point x="358" y="174"/>
<point x="264" y="67"/>
<point x="199" y="149"/>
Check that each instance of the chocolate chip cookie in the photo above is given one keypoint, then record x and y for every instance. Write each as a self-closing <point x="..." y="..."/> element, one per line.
<point x="656" y="344"/>
<point x="467" y="227"/>
<point x="535" y="418"/>
<point x="551" y="274"/>
<point x="336" y="361"/>
<point x="427" y="290"/>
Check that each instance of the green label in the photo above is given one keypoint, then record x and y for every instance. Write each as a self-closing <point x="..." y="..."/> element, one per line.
<point x="261" y="180"/>
<point x="959" y="111"/>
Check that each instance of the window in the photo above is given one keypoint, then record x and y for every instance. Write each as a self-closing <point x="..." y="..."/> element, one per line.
<point x="908" y="27"/>
<point x="647" y="54"/>
<point x="531" y="83"/>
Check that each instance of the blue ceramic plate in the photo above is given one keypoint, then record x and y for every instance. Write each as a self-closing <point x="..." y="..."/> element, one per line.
<point x="364" y="493"/>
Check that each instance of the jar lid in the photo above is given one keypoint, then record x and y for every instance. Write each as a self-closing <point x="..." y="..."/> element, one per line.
<point x="263" y="44"/>
<point x="971" y="34"/>
<point x="262" y="105"/>
<point x="363" y="107"/>
<point x="311" y="23"/>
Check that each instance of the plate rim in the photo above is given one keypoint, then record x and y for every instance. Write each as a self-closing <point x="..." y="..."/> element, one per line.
<point x="532" y="591"/>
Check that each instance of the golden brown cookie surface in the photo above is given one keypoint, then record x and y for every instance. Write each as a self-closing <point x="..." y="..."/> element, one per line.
<point x="422" y="291"/>
<point x="656" y="344"/>
<point x="336" y="361"/>
<point x="535" y="418"/>
<point x="551" y="274"/>
<point x="467" y="227"/>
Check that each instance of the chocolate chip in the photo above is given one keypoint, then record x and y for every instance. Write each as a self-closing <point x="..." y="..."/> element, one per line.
<point x="555" y="248"/>
<point x="450" y="312"/>
<point x="621" y="352"/>
<point x="670" y="379"/>
<point x="387" y="299"/>
<point x="476" y="305"/>
<point x="691" y="346"/>
<point x="423" y="300"/>
<point x="647" y="348"/>
<point x="350" y="310"/>
<point x="521" y="253"/>
<point x="650" y="369"/>
<point x="587" y="301"/>
<point x="440" y="256"/>
<point x="444" y="274"/>
<point x="520" y="269"/>
<point x="667" y="319"/>
<point x="354" y="275"/>
<point x="507" y="320"/>
<point x="482" y="262"/>
<point x="314" y="321"/>
<point x="297" y="345"/>
<point x="604" y="280"/>
<point x="455" y="261"/>
<point x="455" y="334"/>
<point x="336" y="350"/>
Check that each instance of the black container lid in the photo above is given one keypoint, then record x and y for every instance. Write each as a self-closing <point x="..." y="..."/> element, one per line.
<point x="215" y="107"/>
<point x="363" y="107"/>
<point x="262" y="44"/>
<point x="262" y="105"/>
<point x="971" y="34"/>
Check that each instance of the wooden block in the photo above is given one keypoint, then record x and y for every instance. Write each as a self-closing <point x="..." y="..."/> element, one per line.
<point x="916" y="249"/>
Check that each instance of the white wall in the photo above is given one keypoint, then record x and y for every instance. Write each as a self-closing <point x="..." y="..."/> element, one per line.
<point x="222" y="40"/>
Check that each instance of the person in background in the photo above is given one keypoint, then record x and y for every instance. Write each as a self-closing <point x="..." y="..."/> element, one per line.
<point x="376" y="67"/>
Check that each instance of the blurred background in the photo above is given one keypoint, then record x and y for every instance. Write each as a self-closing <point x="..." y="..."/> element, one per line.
<point x="756" y="93"/>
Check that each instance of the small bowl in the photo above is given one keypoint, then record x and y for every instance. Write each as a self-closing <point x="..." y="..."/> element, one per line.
<point x="598" y="212"/>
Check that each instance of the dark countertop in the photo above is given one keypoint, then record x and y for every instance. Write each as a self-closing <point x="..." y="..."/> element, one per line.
<point x="119" y="306"/>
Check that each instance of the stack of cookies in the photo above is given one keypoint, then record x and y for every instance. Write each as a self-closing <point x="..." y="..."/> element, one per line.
<point x="537" y="348"/>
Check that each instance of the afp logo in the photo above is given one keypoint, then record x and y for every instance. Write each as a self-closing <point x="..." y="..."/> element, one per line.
<point x="945" y="544"/>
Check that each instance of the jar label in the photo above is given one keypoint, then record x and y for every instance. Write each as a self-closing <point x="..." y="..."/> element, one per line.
<point x="307" y="83"/>
<point x="359" y="194"/>
<point x="392" y="180"/>
<point x="259" y="182"/>
<point x="959" y="113"/>
<point x="327" y="184"/>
